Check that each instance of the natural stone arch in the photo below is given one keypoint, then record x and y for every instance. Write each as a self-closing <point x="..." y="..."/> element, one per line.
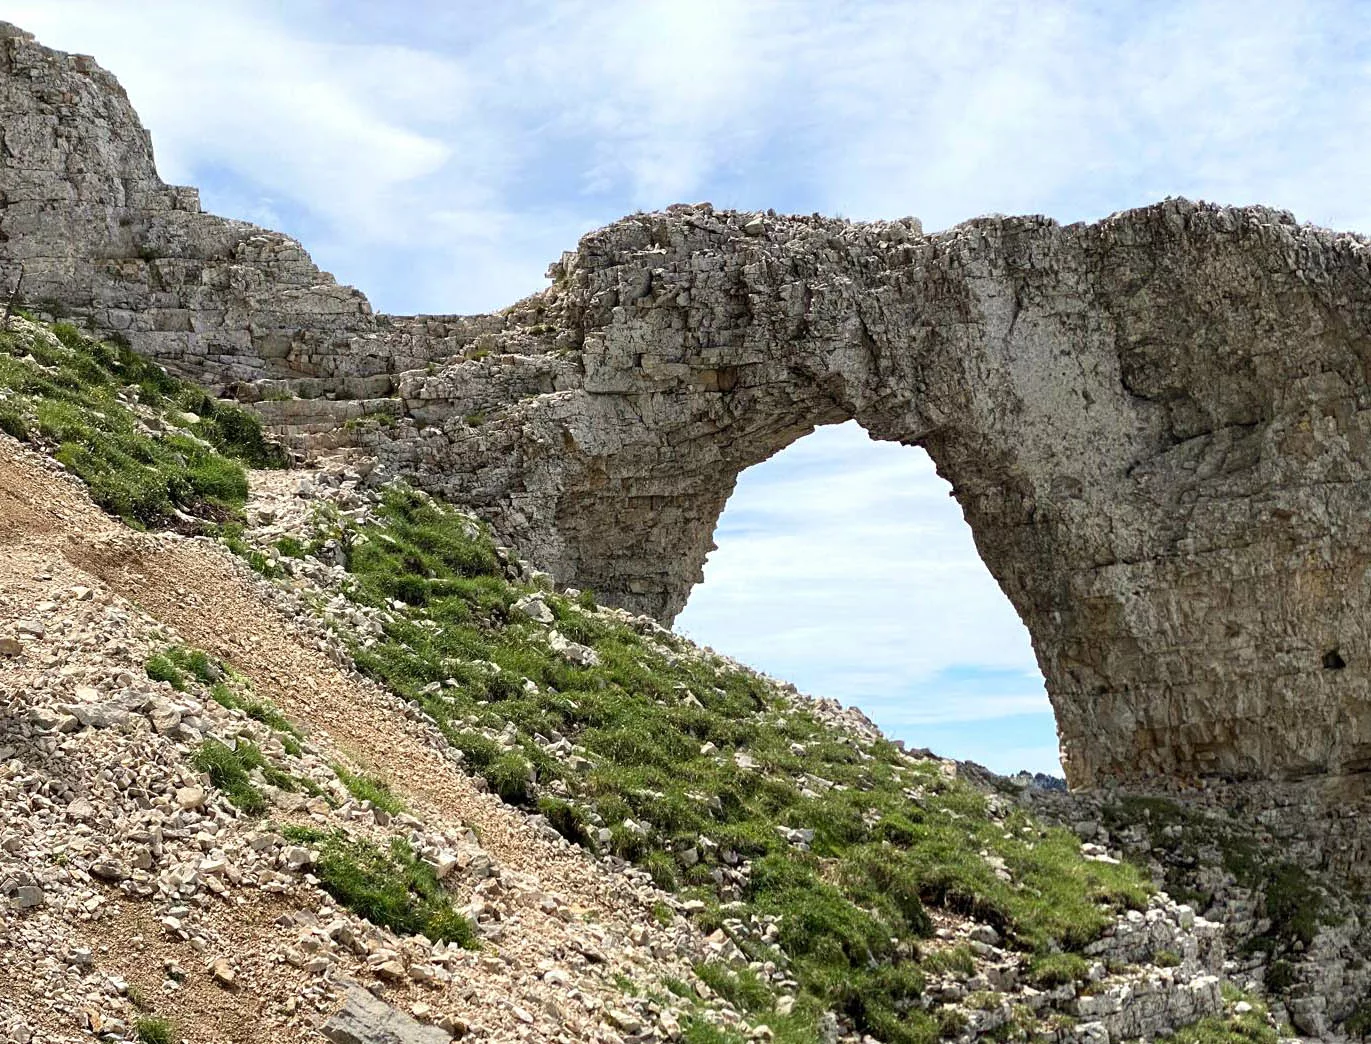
<point x="1140" y="419"/>
<point x="1157" y="426"/>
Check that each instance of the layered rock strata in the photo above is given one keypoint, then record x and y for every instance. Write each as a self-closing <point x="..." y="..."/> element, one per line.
<point x="1156" y="425"/>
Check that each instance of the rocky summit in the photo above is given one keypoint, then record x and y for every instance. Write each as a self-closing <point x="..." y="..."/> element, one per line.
<point x="338" y="699"/>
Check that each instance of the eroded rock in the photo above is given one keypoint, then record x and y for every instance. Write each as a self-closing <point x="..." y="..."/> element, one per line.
<point x="364" y="1019"/>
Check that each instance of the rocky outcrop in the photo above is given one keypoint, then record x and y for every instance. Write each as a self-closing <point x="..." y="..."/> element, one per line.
<point x="1156" y="425"/>
<point x="364" y="1019"/>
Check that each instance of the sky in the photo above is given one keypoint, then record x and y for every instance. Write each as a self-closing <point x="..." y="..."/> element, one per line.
<point x="440" y="154"/>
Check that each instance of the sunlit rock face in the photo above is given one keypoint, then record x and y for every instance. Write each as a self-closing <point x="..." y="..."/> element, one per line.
<point x="1155" y="425"/>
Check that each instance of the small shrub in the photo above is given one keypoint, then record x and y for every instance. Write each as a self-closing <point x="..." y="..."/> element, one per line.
<point x="508" y="776"/>
<point x="160" y="668"/>
<point x="568" y="820"/>
<point x="389" y="887"/>
<point x="951" y="1022"/>
<point x="1280" y="976"/>
<point x="12" y="423"/>
<point x="1358" y="1024"/>
<point x="1166" y="959"/>
<point x="153" y="1029"/>
<point x="1294" y="904"/>
<point x="290" y="547"/>
<point x="370" y="788"/>
<point x="663" y="870"/>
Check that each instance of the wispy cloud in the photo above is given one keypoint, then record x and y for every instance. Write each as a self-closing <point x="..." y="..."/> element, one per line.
<point x="845" y="565"/>
<point x="484" y="140"/>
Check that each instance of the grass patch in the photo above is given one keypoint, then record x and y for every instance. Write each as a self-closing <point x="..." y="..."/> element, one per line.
<point x="388" y="886"/>
<point x="179" y="665"/>
<point x="1047" y="971"/>
<point x="1251" y="1027"/>
<point x="154" y="450"/>
<point x="230" y="768"/>
<point x="153" y="1029"/>
<point x="176" y="664"/>
<point x="952" y="960"/>
<point x="743" y="989"/>
<point x="1358" y="1024"/>
<point x="370" y="788"/>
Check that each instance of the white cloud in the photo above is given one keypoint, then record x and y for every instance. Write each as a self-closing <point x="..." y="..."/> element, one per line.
<point x="845" y="565"/>
<point x="484" y="143"/>
<point x="332" y="128"/>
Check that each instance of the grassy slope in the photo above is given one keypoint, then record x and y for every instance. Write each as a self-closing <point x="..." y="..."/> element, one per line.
<point x="153" y="449"/>
<point x="689" y="766"/>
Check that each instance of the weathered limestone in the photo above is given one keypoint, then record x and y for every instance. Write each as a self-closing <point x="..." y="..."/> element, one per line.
<point x="1156" y="425"/>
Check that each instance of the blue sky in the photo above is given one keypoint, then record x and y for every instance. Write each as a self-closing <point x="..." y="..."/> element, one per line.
<point x="439" y="154"/>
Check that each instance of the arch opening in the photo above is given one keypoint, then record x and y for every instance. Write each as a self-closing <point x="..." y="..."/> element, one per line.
<point x="843" y="564"/>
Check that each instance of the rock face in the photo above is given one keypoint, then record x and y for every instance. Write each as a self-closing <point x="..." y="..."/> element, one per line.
<point x="1157" y="425"/>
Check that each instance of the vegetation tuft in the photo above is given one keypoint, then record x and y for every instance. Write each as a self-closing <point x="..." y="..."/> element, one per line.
<point x="1250" y="1027"/>
<point x="153" y="1029"/>
<point x="370" y="788"/>
<point x="176" y="663"/>
<point x="230" y="769"/>
<point x="388" y="886"/>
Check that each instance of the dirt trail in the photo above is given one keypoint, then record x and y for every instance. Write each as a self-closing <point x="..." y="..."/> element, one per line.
<point x="52" y="537"/>
<point x="200" y="590"/>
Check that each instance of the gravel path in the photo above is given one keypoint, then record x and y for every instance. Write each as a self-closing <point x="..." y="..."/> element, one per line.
<point x="561" y="926"/>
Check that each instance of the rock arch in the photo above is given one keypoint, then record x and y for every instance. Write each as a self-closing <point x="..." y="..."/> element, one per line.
<point x="1156" y="426"/>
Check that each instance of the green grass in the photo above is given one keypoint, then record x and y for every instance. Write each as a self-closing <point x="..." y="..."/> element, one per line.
<point x="153" y="1029"/>
<point x="370" y="788"/>
<point x="231" y="533"/>
<point x="1248" y="1028"/>
<point x="892" y="836"/>
<point x="230" y="768"/>
<point x="1049" y="970"/>
<point x="290" y="547"/>
<point x="177" y="664"/>
<point x="1358" y="1024"/>
<point x="388" y="886"/>
<point x="958" y="960"/>
<point x="742" y="989"/>
<point x="80" y="399"/>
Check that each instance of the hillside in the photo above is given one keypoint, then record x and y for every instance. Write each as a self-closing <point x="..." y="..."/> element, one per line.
<point x="280" y="742"/>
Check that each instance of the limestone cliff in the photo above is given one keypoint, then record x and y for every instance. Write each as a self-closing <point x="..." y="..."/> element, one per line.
<point x="1156" y="425"/>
